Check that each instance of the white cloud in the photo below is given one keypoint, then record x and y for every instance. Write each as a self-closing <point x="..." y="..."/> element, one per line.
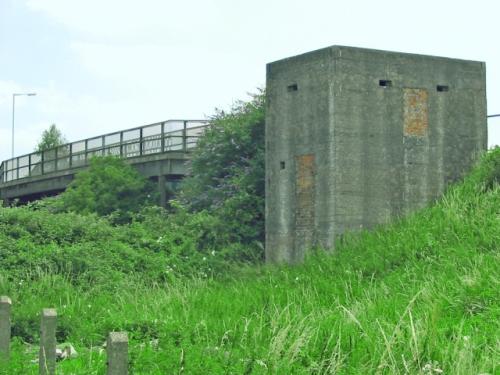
<point x="129" y="20"/>
<point x="150" y="60"/>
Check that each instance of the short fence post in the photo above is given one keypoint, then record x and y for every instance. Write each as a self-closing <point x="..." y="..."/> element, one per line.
<point x="117" y="349"/>
<point x="5" y="307"/>
<point x="47" y="356"/>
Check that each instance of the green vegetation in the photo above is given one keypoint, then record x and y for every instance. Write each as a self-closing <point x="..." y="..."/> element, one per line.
<point x="227" y="176"/>
<point x="420" y="296"/>
<point x="52" y="137"/>
<point x="108" y="187"/>
<point x="223" y="196"/>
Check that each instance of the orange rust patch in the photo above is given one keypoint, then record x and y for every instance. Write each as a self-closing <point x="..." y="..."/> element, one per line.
<point x="416" y="113"/>
<point x="305" y="171"/>
<point x="305" y="192"/>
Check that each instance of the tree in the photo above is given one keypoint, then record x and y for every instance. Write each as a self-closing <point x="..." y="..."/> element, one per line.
<point x="108" y="186"/>
<point x="227" y="173"/>
<point x="52" y="137"/>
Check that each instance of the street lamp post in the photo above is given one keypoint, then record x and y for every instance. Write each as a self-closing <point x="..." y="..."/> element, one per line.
<point x="14" y="113"/>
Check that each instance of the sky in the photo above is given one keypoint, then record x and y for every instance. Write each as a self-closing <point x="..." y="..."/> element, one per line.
<point x="99" y="66"/>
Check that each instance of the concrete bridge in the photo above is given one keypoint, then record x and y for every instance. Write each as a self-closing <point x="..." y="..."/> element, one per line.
<point x="158" y="151"/>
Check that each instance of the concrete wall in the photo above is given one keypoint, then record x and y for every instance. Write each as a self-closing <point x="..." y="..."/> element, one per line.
<point x="345" y="153"/>
<point x="298" y="124"/>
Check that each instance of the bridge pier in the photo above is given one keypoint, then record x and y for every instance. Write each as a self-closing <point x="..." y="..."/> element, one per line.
<point x="162" y="190"/>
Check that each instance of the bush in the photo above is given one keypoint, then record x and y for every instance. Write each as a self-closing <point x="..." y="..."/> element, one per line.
<point x="87" y="250"/>
<point x="227" y="175"/>
<point x="108" y="186"/>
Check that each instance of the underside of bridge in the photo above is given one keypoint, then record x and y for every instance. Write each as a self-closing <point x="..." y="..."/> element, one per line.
<point x="166" y="169"/>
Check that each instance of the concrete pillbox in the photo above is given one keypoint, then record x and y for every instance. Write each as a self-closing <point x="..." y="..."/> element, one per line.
<point x="357" y="137"/>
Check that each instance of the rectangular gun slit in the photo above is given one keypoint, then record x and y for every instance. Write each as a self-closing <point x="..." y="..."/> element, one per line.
<point x="385" y="83"/>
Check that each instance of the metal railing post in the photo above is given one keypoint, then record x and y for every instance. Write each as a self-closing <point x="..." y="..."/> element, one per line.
<point x="56" y="160"/>
<point x="121" y="144"/>
<point x="86" y="151"/>
<point x="140" y="141"/>
<point x="184" y="136"/>
<point x="163" y="137"/>
<point x="70" y="155"/>
<point x="42" y="161"/>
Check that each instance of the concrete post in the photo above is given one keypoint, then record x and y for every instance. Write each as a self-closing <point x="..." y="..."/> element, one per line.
<point x="47" y="356"/>
<point x="5" y="307"/>
<point x="117" y="349"/>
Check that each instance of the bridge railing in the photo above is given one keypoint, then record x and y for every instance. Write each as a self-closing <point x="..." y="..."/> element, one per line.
<point x="161" y="137"/>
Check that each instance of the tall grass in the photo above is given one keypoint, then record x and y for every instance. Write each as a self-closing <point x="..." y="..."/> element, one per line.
<point x="420" y="296"/>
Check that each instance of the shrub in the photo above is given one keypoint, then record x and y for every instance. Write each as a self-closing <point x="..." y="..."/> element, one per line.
<point x="108" y="186"/>
<point x="227" y="174"/>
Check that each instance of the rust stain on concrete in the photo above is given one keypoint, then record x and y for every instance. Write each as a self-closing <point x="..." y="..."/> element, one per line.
<point x="305" y="192"/>
<point x="416" y="112"/>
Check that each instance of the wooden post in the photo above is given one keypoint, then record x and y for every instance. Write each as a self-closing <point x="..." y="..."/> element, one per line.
<point x="47" y="356"/>
<point x="117" y="349"/>
<point x="5" y="307"/>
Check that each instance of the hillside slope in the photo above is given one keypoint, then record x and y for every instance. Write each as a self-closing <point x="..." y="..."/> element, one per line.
<point x="420" y="296"/>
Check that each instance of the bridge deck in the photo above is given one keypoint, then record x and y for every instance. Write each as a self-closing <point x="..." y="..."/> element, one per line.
<point x="156" y="149"/>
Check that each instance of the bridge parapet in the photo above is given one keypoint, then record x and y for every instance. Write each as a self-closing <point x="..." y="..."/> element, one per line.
<point x="162" y="137"/>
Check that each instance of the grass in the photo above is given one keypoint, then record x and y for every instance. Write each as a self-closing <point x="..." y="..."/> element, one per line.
<point x="420" y="296"/>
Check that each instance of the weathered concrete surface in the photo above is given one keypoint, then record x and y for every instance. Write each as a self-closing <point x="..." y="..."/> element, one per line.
<point x="171" y="165"/>
<point x="117" y="350"/>
<point x="381" y="139"/>
<point x="5" y="328"/>
<point x="47" y="355"/>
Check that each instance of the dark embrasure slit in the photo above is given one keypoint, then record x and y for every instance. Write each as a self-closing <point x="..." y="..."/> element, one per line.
<point x="385" y="83"/>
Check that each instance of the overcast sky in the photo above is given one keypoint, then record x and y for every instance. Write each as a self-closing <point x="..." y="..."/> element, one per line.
<point x="99" y="66"/>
